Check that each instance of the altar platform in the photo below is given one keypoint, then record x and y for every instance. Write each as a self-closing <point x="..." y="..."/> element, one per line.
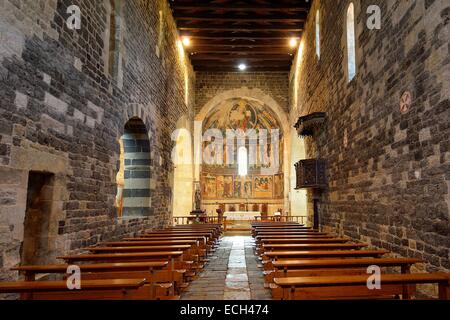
<point x="240" y="220"/>
<point x="241" y="215"/>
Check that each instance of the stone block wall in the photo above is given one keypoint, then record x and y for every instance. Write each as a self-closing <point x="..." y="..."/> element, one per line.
<point x="388" y="171"/>
<point x="62" y="112"/>
<point x="273" y="84"/>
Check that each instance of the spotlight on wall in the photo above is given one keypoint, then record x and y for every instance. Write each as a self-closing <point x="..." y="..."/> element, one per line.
<point x="293" y="42"/>
<point x="242" y="67"/>
<point x="186" y="41"/>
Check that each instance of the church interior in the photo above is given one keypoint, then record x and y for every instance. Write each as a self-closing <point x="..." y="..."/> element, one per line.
<point x="224" y="150"/>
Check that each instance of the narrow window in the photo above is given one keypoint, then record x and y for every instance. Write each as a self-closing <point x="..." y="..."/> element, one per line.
<point x="112" y="37"/>
<point x="318" y="34"/>
<point x="242" y="161"/>
<point x="351" y="47"/>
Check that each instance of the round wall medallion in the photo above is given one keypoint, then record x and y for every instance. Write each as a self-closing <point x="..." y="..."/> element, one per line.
<point x="405" y="102"/>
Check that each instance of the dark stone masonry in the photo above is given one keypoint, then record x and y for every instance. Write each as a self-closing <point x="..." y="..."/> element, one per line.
<point x="69" y="98"/>
<point x="62" y="112"/>
<point x="389" y="185"/>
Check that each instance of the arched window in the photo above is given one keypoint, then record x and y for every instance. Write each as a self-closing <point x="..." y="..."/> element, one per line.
<point x="318" y="34"/>
<point x="351" y="46"/>
<point x="133" y="197"/>
<point x="242" y="161"/>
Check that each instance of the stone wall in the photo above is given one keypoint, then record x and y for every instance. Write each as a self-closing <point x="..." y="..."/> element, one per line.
<point x="388" y="172"/>
<point x="62" y="112"/>
<point x="210" y="84"/>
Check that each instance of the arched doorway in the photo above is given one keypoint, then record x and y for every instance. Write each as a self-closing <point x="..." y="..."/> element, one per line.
<point x="183" y="175"/>
<point x="133" y="179"/>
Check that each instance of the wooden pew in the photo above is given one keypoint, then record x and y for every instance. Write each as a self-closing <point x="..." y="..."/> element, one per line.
<point x="329" y="267"/>
<point x="355" y="286"/>
<point x="313" y="246"/>
<point x="172" y="256"/>
<point x="269" y="257"/>
<point x="175" y="258"/>
<point x="259" y="240"/>
<point x="127" y="248"/>
<point x="158" y="280"/>
<point x="188" y="253"/>
<point x="150" y="243"/>
<point x="305" y="246"/>
<point x="110" y="289"/>
<point x="201" y="241"/>
<point x="303" y="240"/>
<point x="195" y="247"/>
<point x="291" y="232"/>
<point x="207" y="235"/>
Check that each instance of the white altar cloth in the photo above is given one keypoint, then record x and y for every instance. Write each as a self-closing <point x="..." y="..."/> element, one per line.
<point x="241" y="215"/>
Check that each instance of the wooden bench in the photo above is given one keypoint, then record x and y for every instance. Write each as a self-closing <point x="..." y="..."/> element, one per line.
<point x="312" y="246"/>
<point x="355" y="286"/>
<point x="288" y="233"/>
<point x="110" y="289"/>
<point x="270" y="257"/>
<point x="150" y="243"/>
<point x="303" y="240"/>
<point x="158" y="280"/>
<point x="188" y="254"/>
<point x="328" y="267"/>
<point x="175" y="258"/>
<point x="183" y="248"/>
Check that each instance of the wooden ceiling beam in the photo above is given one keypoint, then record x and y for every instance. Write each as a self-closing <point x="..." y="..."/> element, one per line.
<point x="229" y="43"/>
<point x="258" y="51"/>
<point x="240" y="18"/>
<point x="206" y="58"/>
<point x="240" y="36"/>
<point x="235" y="69"/>
<point x="251" y="28"/>
<point x="202" y="6"/>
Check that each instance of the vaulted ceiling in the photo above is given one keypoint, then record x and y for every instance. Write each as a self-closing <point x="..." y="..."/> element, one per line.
<point x="226" y="33"/>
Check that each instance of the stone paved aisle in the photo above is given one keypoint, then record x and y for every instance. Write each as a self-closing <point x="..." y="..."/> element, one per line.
<point x="231" y="274"/>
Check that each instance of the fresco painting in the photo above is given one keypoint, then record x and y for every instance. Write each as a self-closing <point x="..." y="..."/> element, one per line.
<point x="209" y="187"/>
<point x="263" y="186"/>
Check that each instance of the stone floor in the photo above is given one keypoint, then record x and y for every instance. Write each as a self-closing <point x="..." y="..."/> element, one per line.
<point x="231" y="274"/>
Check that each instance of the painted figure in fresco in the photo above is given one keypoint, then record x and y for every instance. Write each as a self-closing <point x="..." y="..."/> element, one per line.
<point x="242" y="116"/>
<point x="247" y="189"/>
<point x="220" y="187"/>
<point x="228" y="187"/>
<point x="237" y="189"/>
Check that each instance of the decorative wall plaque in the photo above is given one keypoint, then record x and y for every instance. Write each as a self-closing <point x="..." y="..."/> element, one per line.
<point x="405" y="102"/>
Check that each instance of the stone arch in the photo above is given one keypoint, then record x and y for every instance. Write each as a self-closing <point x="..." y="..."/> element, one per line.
<point x="138" y="110"/>
<point x="133" y="198"/>
<point x="183" y="171"/>
<point x="255" y="94"/>
<point x="245" y="92"/>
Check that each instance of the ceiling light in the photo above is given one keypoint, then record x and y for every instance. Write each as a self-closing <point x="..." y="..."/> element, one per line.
<point x="186" y="41"/>
<point x="293" y="42"/>
<point x="242" y="67"/>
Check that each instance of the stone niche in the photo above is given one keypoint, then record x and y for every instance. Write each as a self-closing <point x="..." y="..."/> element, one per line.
<point x="39" y="230"/>
<point x="37" y="180"/>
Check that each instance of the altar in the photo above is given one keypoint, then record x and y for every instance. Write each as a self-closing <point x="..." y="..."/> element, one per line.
<point x="241" y="215"/>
